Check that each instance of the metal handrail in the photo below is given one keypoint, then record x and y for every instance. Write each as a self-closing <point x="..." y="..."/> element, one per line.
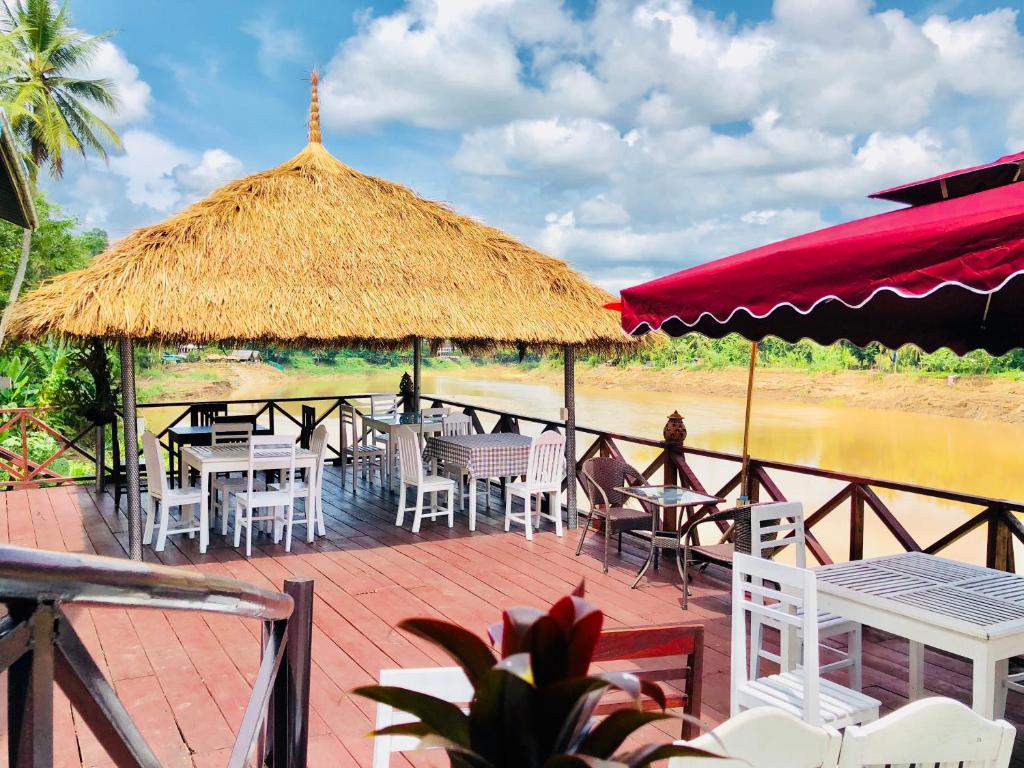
<point x="34" y="574"/>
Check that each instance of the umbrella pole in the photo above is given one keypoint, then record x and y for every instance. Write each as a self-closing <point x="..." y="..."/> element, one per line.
<point x="416" y="364"/>
<point x="745" y="470"/>
<point x="569" y="390"/>
<point x="131" y="448"/>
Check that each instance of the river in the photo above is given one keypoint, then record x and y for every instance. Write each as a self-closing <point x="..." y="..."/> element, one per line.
<point x="971" y="456"/>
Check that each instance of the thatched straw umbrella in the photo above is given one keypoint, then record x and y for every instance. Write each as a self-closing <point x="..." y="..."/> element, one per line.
<point x="314" y="253"/>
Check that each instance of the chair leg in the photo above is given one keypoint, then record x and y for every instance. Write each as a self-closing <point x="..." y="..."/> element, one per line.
<point x="556" y="509"/>
<point x="854" y="648"/>
<point x="401" y="505"/>
<point x="239" y="522"/>
<point x="321" y="526"/>
<point x="508" y="511"/>
<point x="147" y="534"/>
<point x="607" y="535"/>
<point x="418" y="517"/>
<point x="289" y="522"/>
<point x="451" y="507"/>
<point x="583" y="532"/>
<point x="161" y="538"/>
<point x="248" y="532"/>
<point x="528" y="515"/>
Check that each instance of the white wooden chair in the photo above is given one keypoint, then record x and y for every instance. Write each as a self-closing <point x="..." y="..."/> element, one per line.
<point x="448" y="683"/>
<point x="773" y="527"/>
<point x="358" y="449"/>
<point x="277" y="503"/>
<point x="310" y="489"/>
<point x="457" y="424"/>
<point x="788" y="596"/>
<point x="410" y="461"/>
<point x="223" y="486"/>
<point x="163" y="498"/>
<point x="382" y="405"/>
<point x="544" y="473"/>
<point x="929" y="732"/>
<point x="425" y="415"/>
<point x="765" y="737"/>
<point x="230" y="432"/>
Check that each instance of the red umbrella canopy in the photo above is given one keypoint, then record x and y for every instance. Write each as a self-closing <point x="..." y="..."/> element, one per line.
<point x="949" y="274"/>
<point x="966" y="181"/>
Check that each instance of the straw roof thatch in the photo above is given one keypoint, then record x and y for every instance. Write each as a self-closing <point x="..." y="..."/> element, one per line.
<point x="314" y="253"/>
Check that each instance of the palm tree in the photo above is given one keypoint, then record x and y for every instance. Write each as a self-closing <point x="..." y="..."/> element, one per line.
<point x="41" y="56"/>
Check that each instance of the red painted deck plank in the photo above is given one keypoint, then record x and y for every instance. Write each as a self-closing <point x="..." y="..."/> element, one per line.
<point x="187" y="677"/>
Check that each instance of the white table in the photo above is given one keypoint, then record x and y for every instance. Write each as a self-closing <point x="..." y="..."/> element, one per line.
<point x="963" y="609"/>
<point x="391" y="422"/>
<point x="483" y="455"/>
<point x="208" y="460"/>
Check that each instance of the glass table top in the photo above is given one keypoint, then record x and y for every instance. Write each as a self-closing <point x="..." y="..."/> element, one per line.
<point x="669" y="495"/>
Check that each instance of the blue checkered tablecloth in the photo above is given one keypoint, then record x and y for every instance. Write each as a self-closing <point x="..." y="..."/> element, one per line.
<point x="500" y="454"/>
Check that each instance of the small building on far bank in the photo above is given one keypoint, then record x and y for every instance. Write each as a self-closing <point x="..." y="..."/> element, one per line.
<point x="246" y="356"/>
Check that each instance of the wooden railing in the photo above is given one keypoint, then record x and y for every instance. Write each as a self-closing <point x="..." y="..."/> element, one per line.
<point x="857" y="493"/>
<point x="39" y="648"/>
<point x="18" y="467"/>
<point x="857" y="497"/>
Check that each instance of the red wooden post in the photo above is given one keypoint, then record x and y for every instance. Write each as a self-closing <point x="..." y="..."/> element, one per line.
<point x="856" y="524"/>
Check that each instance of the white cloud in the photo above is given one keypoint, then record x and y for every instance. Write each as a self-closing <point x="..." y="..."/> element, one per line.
<point x="214" y="168"/>
<point x="277" y="44"/>
<point x="132" y="93"/>
<point x="152" y="176"/>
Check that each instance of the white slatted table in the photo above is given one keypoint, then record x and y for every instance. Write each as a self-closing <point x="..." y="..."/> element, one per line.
<point x="208" y="460"/>
<point x="959" y="608"/>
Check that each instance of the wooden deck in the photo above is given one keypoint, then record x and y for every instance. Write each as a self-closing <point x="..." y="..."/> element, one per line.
<point x="186" y="677"/>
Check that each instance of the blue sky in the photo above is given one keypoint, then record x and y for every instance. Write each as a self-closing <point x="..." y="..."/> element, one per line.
<point x="631" y="138"/>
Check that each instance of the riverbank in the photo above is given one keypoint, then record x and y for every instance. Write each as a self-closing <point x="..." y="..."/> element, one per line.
<point x="984" y="398"/>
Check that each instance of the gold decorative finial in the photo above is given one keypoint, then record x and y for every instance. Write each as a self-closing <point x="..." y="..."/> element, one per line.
<point x="314" y="108"/>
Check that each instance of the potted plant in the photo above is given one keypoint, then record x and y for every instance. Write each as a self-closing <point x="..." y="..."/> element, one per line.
<point x="532" y="707"/>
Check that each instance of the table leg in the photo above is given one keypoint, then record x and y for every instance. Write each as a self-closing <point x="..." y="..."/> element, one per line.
<point x="985" y="674"/>
<point x="915" y="670"/>
<point x="204" y="512"/>
<point x="472" y="503"/>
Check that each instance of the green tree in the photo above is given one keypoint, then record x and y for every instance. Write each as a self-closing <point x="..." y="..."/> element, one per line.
<point x="51" y="108"/>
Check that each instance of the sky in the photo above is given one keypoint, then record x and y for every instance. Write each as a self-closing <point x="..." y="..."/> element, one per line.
<point x="632" y="139"/>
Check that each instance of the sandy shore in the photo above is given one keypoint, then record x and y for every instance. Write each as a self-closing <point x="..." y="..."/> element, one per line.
<point x="982" y="398"/>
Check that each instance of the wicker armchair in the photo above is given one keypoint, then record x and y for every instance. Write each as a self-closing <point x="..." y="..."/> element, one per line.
<point x="602" y="479"/>
<point x="735" y="539"/>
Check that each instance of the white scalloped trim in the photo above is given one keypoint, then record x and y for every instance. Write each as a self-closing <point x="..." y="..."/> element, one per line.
<point x="824" y="299"/>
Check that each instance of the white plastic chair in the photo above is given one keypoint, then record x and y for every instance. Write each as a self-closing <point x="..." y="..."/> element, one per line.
<point x="775" y="526"/>
<point x="310" y="489"/>
<point x="355" y="448"/>
<point x="932" y="731"/>
<point x="410" y="461"/>
<point x="448" y="683"/>
<point x="765" y="737"/>
<point x="788" y="596"/>
<point x="544" y="473"/>
<point x="279" y="502"/>
<point x="163" y="498"/>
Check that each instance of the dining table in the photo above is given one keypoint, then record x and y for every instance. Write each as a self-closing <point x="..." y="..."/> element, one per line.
<point x="665" y="498"/>
<point x="483" y="456"/>
<point x="963" y="609"/>
<point x="180" y="435"/>
<point x="208" y="460"/>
